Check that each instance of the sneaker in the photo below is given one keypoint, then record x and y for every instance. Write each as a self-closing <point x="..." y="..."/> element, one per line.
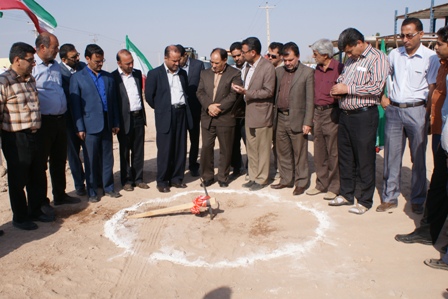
<point x="436" y="264"/>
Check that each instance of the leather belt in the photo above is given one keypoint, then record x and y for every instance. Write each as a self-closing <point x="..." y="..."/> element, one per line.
<point x="178" y="106"/>
<point x="53" y="115"/>
<point x="408" y="105"/>
<point x="355" y="111"/>
<point x="283" y="111"/>
<point x="136" y="113"/>
<point x="325" y="107"/>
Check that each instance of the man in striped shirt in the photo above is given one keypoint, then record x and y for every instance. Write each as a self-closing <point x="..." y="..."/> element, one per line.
<point x="20" y="121"/>
<point x="359" y="89"/>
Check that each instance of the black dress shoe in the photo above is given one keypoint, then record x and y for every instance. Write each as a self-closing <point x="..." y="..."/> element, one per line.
<point x="25" y="225"/>
<point x="298" y="191"/>
<point x="223" y="184"/>
<point x="81" y="192"/>
<point x="48" y="210"/>
<point x="163" y="189"/>
<point x="128" y="187"/>
<point x="414" y="238"/>
<point x="194" y="172"/>
<point x="207" y="183"/>
<point x="66" y="200"/>
<point x="279" y="186"/>
<point x="143" y="185"/>
<point x="256" y="187"/>
<point x="235" y="175"/>
<point x="43" y="218"/>
<point x="180" y="185"/>
<point x="113" y="194"/>
<point x="94" y="199"/>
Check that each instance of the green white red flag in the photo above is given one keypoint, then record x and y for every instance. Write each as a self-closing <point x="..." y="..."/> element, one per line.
<point x="42" y="19"/>
<point x="140" y="61"/>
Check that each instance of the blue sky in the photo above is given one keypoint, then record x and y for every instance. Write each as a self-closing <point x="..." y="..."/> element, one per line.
<point x="204" y="24"/>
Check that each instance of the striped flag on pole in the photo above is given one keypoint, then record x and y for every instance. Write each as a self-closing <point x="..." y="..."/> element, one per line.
<point x="140" y="61"/>
<point x="42" y="20"/>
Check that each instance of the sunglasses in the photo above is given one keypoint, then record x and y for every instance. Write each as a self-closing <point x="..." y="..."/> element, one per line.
<point x="409" y="35"/>
<point x="273" y="56"/>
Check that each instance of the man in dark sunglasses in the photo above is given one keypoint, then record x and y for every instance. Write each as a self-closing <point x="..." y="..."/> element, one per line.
<point x="273" y="54"/>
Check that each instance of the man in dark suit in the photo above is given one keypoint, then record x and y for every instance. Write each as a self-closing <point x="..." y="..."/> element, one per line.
<point x="217" y="99"/>
<point x="70" y="65"/>
<point x="165" y="92"/>
<point x="95" y="112"/>
<point x="132" y="121"/>
<point x="258" y="90"/>
<point x="193" y="68"/>
<point x="294" y="118"/>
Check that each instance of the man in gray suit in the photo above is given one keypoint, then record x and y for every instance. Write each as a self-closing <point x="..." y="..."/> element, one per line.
<point x="217" y="99"/>
<point x="294" y="119"/>
<point x="258" y="90"/>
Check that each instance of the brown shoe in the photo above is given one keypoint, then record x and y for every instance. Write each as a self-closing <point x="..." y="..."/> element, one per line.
<point x="128" y="187"/>
<point x="142" y="185"/>
<point x="385" y="206"/>
<point x="298" y="191"/>
<point x="279" y="186"/>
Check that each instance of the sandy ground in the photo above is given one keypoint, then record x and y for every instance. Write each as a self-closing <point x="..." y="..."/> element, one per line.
<point x="265" y="244"/>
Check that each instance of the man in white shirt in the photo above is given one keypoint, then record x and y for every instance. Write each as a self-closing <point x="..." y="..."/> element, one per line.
<point x="413" y="71"/>
<point x="132" y="121"/>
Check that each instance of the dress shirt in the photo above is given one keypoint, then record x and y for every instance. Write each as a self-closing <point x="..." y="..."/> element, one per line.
<point x="365" y="77"/>
<point x="324" y="81"/>
<point x="444" y="138"/>
<point x="19" y="104"/>
<point x="283" y="90"/>
<point x="100" y="87"/>
<point x="135" y="102"/>
<point x="242" y="69"/>
<point x="250" y="72"/>
<point x="438" y="98"/>
<point x="72" y="71"/>
<point x="410" y="76"/>
<point x="177" y="92"/>
<point x="49" y="85"/>
<point x="186" y="67"/>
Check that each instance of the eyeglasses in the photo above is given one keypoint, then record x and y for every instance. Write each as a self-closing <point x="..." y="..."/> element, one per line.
<point x="273" y="56"/>
<point x="74" y="57"/>
<point x="242" y="52"/>
<point x="30" y="60"/>
<point x="409" y="35"/>
<point x="99" y="61"/>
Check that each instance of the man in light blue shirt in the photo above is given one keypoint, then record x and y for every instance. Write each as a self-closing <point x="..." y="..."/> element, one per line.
<point x="53" y="105"/>
<point x="412" y="78"/>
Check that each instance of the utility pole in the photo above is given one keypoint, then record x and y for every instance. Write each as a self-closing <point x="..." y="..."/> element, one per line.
<point x="268" y="32"/>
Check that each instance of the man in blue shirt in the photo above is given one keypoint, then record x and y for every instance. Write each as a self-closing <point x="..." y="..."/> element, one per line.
<point x="95" y="113"/>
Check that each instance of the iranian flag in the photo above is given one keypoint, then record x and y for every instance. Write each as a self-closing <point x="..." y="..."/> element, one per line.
<point x="140" y="61"/>
<point x="42" y="19"/>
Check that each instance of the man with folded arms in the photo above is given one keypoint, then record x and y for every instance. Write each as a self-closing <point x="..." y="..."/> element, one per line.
<point x="413" y="72"/>
<point x="358" y="89"/>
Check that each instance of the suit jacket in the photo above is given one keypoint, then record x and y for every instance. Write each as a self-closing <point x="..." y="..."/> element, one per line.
<point x="87" y="108"/>
<point x="194" y="72"/>
<point x="260" y="96"/>
<point x="301" y="97"/>
<point x="158" y="96"/>
<point x="124" y="107"/>
<point x="66" y="75"/>
<point x="225" y="95"/>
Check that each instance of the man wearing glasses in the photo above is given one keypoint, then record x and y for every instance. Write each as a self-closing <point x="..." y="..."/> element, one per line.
<point x="274" y="54"/>
<point x="70" y="65"/>
<point x="412" y="78"/>
<point x="20" y="121"/>
<point x="95" y="113"/>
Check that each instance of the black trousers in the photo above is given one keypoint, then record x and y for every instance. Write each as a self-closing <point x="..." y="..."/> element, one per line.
<point x="437" y="199"/>
<point x="194" y="134"/>
<point x="54" y="134"/>
<point x="23" y="152"/>
<point x="132" y="151"/>
<point x="356" y="150"/>
<point x="172" y="150"/>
